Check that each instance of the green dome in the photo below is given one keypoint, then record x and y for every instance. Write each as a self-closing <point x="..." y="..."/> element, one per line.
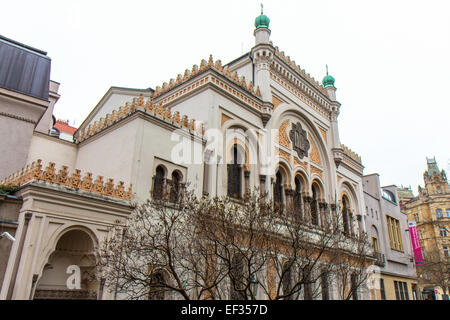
<point x="328" y="81"/>
<point x="262" y="21"/>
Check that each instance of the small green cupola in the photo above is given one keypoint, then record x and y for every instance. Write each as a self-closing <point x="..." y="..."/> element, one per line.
<point x="328" y="80"/>
<point x="262" y="21"/>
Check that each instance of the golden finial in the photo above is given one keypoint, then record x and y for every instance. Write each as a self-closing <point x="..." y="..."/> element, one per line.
<point x="211" y="61"/>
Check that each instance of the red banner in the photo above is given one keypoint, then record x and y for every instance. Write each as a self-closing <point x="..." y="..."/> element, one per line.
<point x="417" y="248"/>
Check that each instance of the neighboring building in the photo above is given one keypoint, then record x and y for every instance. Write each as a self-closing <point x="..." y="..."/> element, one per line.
<point x="64" y="130"/>
<point x="129" y="137"/>
<point x="387" y="227"/>
<point x="431" y="212"/>
<point x="27" y="97"/>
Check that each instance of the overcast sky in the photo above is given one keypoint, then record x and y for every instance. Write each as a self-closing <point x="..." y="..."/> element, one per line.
<point x="390" y="59"/>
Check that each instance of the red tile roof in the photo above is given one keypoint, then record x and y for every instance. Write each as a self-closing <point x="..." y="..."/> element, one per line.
<point x="62" y="126"/>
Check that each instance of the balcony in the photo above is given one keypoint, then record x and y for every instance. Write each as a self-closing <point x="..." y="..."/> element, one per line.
<point x="380" y="259"/>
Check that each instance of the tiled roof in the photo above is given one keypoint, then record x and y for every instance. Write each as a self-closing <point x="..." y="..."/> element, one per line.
<point x="63" y="126"/>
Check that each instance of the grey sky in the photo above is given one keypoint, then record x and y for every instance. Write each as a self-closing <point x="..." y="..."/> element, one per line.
<point x="391" y="60"/>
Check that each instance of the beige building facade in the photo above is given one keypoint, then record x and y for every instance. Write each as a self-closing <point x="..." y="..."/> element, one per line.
<point x="430" y="210"/>
<point x="261" y="108"/>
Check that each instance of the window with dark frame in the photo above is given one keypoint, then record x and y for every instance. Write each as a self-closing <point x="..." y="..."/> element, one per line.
<point x="158" y="183"/>
<point x="382" y="292"/>
<point x="234" y="175"/>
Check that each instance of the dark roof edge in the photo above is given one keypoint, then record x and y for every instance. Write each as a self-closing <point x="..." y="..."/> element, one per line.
<point x="237" y="59"/>
<point x="41" y="52"/>
<point x="133" y="89"/>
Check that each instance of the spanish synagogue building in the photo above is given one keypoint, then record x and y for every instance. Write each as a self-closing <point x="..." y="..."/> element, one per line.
<point x="69" y="193"/>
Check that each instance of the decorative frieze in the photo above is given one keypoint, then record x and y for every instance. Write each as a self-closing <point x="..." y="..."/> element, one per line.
<point x="138" y="105"/>
<point x="76" y="181"/>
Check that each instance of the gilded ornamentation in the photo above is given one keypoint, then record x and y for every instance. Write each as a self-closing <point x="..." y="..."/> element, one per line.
<point x="192" y="125"/>
<point x="297" y="162"/>
<point x="34" y="172"/>
<point x="194" y="70"/>
<point x="150" y="106"/>
<point x="160" y="110"/>
<point x="120" y="190"/>
<point x="49" y="173"/>
<point x="86" y="184"/>
<point x="203" y="65"/>
<point x="109" y="187"/>
<point x="141" y="104"/>
<point x="225" y="118"/>
<point x="283" y="138"/>
<point x="75" y="180"/>
<point x="185" y="122"/>
<point x="227" y="72"/>
<point x="177" y="119"/>
<point x="258" y="92"/>
<point x="133" y="105"/>
<point x="314" y="155"/>
<point x="98" y="185"/>
<point x="63" y="175"/>
<point x="276" y="102"/>
<point x="186" y="75"/>
<point x="210" y="61"/>
<point x="218" y="66"/>
<point x="168" y="115"/>
<point x="316" y="171"/>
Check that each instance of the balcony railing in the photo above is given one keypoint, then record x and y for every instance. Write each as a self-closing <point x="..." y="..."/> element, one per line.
<point x="380" y="259"/>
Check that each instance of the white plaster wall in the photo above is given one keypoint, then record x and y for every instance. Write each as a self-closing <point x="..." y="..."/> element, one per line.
<point x="50" y="149"/>
<point x="110" y="155"/>
<point x="115" y="101"/>
<point x="153" y="142"/>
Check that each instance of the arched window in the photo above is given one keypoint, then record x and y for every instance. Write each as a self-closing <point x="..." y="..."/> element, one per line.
<point x="315" y="205"/>
<point x="157" y="286"/>
<point x="234" y="175"/>
<point x="298" y="197"/>
<point x="175" y="187"/>
<point x="158" y="183"/>
<point x="278" y="191"/>
<point x="346" y="215"/>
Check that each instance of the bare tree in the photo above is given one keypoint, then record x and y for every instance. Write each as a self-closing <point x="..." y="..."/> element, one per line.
<point x="225" y="248"/>
<point x="435" y="270"/>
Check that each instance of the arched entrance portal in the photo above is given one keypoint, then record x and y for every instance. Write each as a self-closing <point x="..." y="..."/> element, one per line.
<point x="75" y="249"/>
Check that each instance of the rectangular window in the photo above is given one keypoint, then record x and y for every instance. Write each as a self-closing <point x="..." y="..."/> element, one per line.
<point x="400" y="287"/>
<point x="443" y="231"/>
<point x="448" y="213"/>
<point x="439" y="213"/>
<point x="395" y="235"/>
<point x="446" y="253"/>
<point x="383" y="293"/>
<point x="375" y="244"/>
<point x="397" y="292"/>
<point x="405" y="287"/>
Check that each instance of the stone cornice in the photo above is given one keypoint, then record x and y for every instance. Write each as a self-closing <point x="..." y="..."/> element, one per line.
<point x="9" y="115"/>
